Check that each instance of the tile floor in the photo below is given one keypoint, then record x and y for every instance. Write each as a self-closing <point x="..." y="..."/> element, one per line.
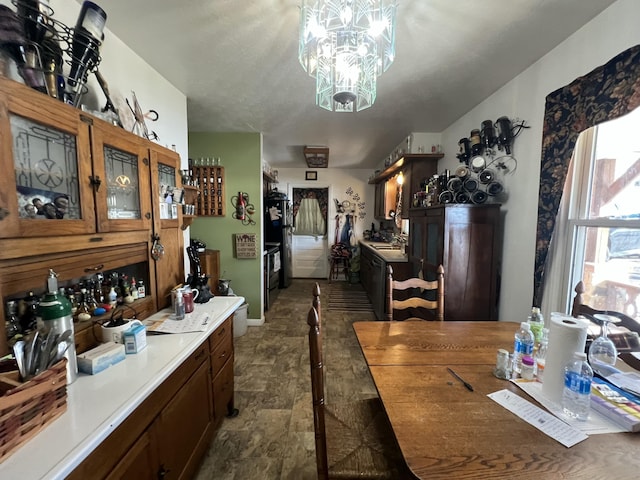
<point x="272" y="438"/>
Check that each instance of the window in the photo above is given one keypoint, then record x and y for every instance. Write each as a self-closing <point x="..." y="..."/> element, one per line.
<point x="603" y="216"/>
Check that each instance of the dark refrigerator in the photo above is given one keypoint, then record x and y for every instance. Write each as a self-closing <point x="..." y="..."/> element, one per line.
<point x="278" y="221"/>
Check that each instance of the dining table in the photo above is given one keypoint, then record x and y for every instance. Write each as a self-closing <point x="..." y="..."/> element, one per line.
<point x="447" y="430"/>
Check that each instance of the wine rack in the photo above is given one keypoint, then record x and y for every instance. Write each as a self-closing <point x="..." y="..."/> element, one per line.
<point x="209" y="181"/>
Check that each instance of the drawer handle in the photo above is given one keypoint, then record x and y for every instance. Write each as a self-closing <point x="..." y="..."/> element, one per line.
<point x="94" y="269"/>
<point x="222" y="355"/>
<point x="199" y="355"/>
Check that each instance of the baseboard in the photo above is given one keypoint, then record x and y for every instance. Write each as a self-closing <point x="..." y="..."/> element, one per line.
<point x="255" y="322"/>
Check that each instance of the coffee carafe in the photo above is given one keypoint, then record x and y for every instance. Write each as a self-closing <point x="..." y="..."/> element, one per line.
<point x="54" y="315"/>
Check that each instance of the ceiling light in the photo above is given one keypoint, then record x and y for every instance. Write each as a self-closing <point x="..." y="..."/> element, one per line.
<point x="317" y="157"/>
<point x="346" y="45"/>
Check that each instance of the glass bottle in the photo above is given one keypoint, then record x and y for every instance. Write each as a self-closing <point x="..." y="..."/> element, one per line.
<point x="141" y="289"/>
<point x="134" y="288"/>
<point x="113" y="296"/>
<point x="85" y="46"/>
<point x="541" y="355"/>
<point x="28" y="320"/>
<point x="12" y="324"/>
<point x="83" y="313"/>
<point x="536" y="322"/>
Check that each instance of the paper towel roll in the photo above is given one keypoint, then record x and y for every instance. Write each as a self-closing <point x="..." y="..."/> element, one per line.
<point x="566" y="336"/>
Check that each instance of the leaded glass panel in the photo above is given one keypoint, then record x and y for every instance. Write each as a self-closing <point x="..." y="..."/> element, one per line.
<point x="167" y="182"/>
<point x="123" y="201"/>
<point x="46" y="171"/>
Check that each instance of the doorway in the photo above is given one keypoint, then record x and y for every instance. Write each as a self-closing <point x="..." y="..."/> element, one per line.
<point x="309" y="246"/>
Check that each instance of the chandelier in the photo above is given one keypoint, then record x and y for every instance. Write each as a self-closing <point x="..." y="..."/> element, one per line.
<point x="346" y="45"/>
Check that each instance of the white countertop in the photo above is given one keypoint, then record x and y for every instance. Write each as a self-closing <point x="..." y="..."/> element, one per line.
<point x="388" y="255"/>
<point x="97" y="404"/>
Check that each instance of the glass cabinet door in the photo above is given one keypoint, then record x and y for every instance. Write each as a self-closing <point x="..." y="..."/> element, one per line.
<point x="167" y="213"/>
<point x="166" y="193"/>
<point x="49" y="192"/>
<point x="121" y="161"/>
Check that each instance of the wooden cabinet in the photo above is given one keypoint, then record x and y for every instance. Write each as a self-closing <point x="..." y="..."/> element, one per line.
<point x="100" y="195"/>
<point x="415" y="168"/>
<point x="221" y="347"/>
<point x="81" y="174"/>
<point x="373" y="270"/>
<point x="170" y="432"/>
<point x="386" y="199"/>
<point x="465" y="240"/>
<point x="182" y="431"/>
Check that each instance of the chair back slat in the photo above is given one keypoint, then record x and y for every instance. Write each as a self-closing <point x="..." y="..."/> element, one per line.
<point x="435" y="306"/>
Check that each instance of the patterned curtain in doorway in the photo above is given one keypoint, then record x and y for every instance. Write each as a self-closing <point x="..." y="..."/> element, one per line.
<point x="310" y="206"/>
<point x="608" y="92"/>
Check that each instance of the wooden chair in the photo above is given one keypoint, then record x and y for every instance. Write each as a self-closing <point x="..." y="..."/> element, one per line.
<point x="416" y="301"/>
<point x="579" y="308"/>
<point x="353" y="440"/>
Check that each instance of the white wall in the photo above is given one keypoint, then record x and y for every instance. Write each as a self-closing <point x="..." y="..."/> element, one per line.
<point x="338" y="180"/>
<point x="612" y="32"/>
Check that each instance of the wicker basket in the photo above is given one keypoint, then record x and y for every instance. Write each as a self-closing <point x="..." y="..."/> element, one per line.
<point x="28" y="407"/>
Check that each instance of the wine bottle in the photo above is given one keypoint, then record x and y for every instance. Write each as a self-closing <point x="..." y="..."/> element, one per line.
<point x="85" y="46"/>
<point x="35" y="14"/>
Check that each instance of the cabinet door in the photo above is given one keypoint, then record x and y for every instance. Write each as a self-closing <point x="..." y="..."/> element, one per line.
<point x="434" y="243"/>
<point x="417" y="229"/>
<point x="223" y="392"/>
<point x="121" y="161"/>
<point x="182" y="430"/>
<point x="169" y="270"/>
<point x="46" y="146"/>
<point x="138" y="463"/>
<point x="366" y="270"/>
<point x="378" y="286"/>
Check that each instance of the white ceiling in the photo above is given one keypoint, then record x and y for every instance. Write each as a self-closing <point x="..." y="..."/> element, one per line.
<point x="236" y="61"/>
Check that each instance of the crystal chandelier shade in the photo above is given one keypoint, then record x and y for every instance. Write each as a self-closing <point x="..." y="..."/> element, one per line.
<point x="345" y="45"/>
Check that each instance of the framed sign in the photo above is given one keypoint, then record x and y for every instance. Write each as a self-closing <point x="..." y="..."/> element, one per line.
<point x="246" y="245"/>
<point x="311" y="175"/>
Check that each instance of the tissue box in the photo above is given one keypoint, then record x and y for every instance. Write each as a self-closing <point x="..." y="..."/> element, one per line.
<point x="101" y="357"/>
<point x="135" y="339"/>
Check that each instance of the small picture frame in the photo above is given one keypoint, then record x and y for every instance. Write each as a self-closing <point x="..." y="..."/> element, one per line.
<point x="311" y="175"/>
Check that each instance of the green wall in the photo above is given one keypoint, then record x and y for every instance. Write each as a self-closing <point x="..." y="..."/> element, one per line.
<point x="240" y="155"/>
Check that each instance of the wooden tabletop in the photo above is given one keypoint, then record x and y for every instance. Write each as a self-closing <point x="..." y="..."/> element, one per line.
<point x="446" y="431"/>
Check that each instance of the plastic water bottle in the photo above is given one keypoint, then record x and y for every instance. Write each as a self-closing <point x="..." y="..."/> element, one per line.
<point x="541" y="355"/>
<point x="522" y="345"/>
<point x="536" y="321"/>
<point x="576" y="396"/>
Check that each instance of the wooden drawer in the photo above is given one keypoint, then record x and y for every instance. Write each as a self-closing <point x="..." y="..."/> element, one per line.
<point x="220" y="354"/>
<point x="222" y="333"/>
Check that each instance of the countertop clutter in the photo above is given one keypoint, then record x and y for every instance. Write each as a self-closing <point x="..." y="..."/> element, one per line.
<point x="98" y="404"/>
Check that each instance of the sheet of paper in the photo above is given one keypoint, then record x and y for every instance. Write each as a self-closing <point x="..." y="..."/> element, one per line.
<point x="594" y="425"/>
<point x="537" y="417"/>
<point x="192" y="322"/>
<point x="629" y="381"/>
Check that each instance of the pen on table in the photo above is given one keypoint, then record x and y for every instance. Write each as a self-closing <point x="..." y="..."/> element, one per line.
<point x="466" y="384"/>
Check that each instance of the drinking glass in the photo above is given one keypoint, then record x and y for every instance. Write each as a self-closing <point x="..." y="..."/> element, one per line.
<point x="603" y="352"/>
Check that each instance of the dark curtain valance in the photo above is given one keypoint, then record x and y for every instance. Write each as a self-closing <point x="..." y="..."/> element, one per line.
<point x="608" y="92"/>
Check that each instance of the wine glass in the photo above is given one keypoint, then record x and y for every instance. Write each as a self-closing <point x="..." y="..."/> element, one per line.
<point x="603" y="352"/>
